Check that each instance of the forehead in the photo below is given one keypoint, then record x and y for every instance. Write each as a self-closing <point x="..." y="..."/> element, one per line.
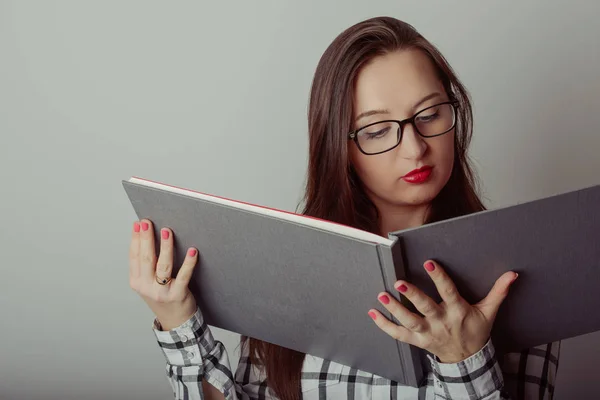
<point x="395" y="81"/>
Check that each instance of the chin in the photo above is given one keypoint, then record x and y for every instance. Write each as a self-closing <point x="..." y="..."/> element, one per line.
<point x="416" y="195"/>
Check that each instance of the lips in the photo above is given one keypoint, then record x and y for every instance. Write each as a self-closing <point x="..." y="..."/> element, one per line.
<point x="419" y="175"/>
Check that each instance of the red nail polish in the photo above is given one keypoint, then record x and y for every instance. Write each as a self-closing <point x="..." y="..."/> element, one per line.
<point x="144" y="226"/>
<point x="165" y="234"/>
<point x="136" y="227"/>
<point x="429" y="266"/>
<point x="384" y="299"/>
<point x="192" y="252"/>
<point x="372" y="314"/>
<point x="402" y="288"/>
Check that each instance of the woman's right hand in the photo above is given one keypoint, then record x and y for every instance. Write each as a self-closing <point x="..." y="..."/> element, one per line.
<point x="171" y="302"/>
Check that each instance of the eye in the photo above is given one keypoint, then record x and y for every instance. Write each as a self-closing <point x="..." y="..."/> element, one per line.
<point x="376" y="133"/>
<point x="428" y="116"/>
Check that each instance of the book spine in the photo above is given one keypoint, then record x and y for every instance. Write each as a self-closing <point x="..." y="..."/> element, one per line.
<point x="392" y="269"/>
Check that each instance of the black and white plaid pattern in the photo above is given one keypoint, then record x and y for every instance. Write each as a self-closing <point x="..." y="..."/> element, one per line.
<point x="531" y="374"/>
<point x="192" y="354"/>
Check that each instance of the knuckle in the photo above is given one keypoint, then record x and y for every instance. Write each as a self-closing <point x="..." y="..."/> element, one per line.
<point x="163" y="266"/>
<point x="147" y="258"/>
<point x="449" y="291"/>
<point x="176" y="296"/>
<point x="428" y="309"/>
<point x="394" y="331"/>
<point x="460" y="313"/>
<point x="412" y="325"/>
<point x="396" y="334"/>
<point x="160" y="297"/>
<point x="171" y="297"/>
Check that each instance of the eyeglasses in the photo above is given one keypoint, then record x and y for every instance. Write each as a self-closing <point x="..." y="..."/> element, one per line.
<point x="382" y="136"/>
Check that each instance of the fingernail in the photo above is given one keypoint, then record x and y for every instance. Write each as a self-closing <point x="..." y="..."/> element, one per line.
<point x="136" y="227"/>
<point x="372" y="314"/>
<point x="429" y="266"/>
<point x="144" y="226"/>
<point x="515" y="278"/>
<point x="402" y="288"/>
<point x="165" y="234"/>
<point x="384" y="299"/>
<point x="192" y="252"/>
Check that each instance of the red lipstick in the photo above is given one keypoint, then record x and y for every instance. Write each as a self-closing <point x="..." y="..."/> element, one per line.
<point x="419" y="175"/>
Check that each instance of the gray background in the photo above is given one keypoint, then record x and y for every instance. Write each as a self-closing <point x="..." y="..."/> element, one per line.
<point x="213" y="96"/>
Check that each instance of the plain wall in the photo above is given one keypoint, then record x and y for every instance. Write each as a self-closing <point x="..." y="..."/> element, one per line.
<point x="213" y="96"/>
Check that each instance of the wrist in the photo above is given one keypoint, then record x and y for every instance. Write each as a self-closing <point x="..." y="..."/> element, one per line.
<point x="454" y="358"/>
<point x="474" y="377"/>
<point x="461" y="354"/>
<point x="170" y="320"/>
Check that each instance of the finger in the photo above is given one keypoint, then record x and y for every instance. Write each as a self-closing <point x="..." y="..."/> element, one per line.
<point x="409" y="320"/>
<point x="444" y="284"/>
<point x="187" y="269"/>
<point x="134" y="252"/>
<point x="164" y="265"/>
<point x="490" y="305"/>
<point x="423" y="303"/>
<point x="397" y="332"/>
<point x="147" y="250"/>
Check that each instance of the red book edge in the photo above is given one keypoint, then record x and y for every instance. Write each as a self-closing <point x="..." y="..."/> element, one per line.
<point x="251" y="204"/>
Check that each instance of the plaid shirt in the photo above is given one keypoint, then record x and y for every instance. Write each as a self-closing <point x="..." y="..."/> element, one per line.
<point x="193" y="355"/>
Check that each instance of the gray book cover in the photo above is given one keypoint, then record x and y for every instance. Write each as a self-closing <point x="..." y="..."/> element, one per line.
<point x="554" y="245"/>
<point x="309" y="289"/>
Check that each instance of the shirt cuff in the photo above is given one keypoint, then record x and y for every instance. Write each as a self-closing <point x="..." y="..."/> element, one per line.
<point x="474" y="378"/>
<point x="186" y="344"/>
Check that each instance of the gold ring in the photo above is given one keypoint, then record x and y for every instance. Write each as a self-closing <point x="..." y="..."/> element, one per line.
<point x="162" y="281"/>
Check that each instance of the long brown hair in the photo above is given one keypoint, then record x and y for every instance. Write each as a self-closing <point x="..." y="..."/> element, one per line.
<point x="333" y="190"/>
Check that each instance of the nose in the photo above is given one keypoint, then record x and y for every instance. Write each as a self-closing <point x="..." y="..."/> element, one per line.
<point x="412" y="146"/>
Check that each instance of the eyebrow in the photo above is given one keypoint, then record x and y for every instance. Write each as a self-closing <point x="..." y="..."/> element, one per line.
<point x="385" y="111"/>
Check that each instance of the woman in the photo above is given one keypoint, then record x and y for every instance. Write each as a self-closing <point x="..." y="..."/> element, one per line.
<point x="389" y="126"/>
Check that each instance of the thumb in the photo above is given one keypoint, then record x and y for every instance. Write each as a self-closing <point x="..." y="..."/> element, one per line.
<point x="491" y="303"/>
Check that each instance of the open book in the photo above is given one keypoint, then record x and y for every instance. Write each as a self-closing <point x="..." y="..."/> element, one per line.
<point x="307" y="284"/>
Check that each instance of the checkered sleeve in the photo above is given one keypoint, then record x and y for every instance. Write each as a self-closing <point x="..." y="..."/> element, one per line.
<point x="250" y="377"/>
<point x="477" y="377"/>
<point x="192" y="355"/>
<point x="531" y="374"/>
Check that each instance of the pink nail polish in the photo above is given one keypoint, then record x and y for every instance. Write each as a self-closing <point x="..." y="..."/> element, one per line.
<point x="136" y="227"/>
<point x="372" y="315"/>
<point x="192" y="252"/>
<point x="384" y="299"/>
<point x="144" y="226"/>
<point x="429" y="266"/>
<point x="165" y="234"/>
<point x="402" y="288"/>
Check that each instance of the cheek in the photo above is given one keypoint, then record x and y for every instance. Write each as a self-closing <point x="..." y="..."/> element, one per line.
<point x="444" y="153"/>
<point x="371" y="169"/>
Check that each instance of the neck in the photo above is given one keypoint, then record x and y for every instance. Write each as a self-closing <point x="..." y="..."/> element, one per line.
<point x="395" y="218"/>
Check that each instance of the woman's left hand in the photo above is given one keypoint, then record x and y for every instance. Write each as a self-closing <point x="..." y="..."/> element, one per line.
<point x="453" y="330"/>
